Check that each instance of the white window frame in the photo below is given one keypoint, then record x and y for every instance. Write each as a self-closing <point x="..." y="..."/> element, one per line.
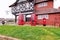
<point x="42" y="4"/>
<point x="43" y="16"/>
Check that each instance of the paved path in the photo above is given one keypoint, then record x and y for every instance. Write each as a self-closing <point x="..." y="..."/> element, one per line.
<point x="7" y="38"/>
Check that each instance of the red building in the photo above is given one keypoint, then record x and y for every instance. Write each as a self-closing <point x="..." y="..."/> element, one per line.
<point x="42" y="9"/>
<point x="45" y="9"/>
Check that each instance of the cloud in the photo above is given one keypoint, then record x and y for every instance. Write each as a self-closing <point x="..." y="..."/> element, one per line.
<point x="4" y="6"/>
<point x="56" y="3"/>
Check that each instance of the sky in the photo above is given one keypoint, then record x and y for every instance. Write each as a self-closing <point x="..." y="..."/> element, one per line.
<point x="5" y="11"/>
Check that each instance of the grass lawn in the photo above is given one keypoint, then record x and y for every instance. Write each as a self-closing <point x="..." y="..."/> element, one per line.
<point x="30" y="33"/>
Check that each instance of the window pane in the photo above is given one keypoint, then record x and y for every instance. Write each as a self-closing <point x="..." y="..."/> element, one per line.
<point x="42" y="4"/>
<point x="43" y="16"/>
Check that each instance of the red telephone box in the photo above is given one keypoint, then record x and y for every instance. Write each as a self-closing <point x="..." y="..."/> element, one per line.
<point x="20" y="19"/>
<point x="44" y="21"/>
<point x="33" y="19"/>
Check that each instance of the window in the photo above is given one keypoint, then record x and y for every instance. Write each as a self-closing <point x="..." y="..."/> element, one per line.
<point x="43" y="16"/>
<point x="42" y="4"/>
<point x="28" y="18"/>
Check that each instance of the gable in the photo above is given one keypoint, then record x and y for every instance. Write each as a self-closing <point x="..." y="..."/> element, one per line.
<point x="14" y="4"/>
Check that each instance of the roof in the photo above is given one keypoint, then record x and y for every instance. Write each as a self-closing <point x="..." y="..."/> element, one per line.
<point x="48" y="11"/>
<point x="14" y="4"/>
<point x="36" y="2"/>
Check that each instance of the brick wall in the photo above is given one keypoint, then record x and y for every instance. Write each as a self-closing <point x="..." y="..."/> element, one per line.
<point x="49" y="5"/>
<point x="53" y="19"/>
